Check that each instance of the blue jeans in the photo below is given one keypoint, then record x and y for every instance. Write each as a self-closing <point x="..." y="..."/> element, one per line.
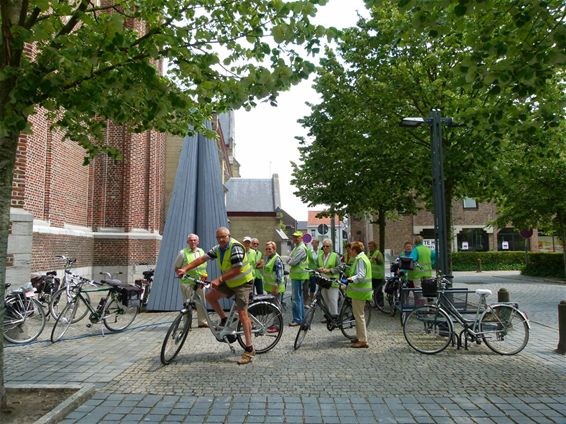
<point x="298" y="303"/>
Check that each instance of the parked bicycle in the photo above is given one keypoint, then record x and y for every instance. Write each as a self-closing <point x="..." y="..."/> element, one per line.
<point x="394" y="289"/>
<point x="24" y="318"/>
<point x="59" y="299"/>
<point x="430" y="328"/>
<point x="145" y="284"/>
<point x="117" y="310"/>
<point x="265" y="316"/>
<point x="345" y="320"/>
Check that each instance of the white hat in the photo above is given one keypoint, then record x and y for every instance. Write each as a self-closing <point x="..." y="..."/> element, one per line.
<point x="247" y="238"/>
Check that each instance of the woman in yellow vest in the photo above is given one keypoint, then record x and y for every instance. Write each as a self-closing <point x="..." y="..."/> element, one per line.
<point x="273" y="281"/>
<point x="329" y="266"/>
<point x="236" y="279"/>
<point x="186" y="256"/>
<point x="360" y="291"/>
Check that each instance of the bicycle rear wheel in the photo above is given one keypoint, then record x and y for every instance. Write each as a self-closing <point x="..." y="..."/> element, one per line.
<point x="428" y="329"/>
<point x="65" y="319"/>
<point x="304" y="327"/>
<point x="117" y="316"/>
<point x="504" y="329"/>
<point x="24" y="325"/>
<point x="267" y="326"/>
<point x="176" y="336"/>
<point x="59" y="300"/>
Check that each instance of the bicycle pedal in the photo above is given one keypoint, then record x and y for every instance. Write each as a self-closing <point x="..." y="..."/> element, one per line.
<point x="88" y="325"/>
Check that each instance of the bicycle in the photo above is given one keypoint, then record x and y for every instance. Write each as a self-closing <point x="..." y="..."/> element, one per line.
<point x="394" y="295"/>
<point x="117" y="310"/>
<point x="266" y="318"/>
<point x="345" y="320"/>
<point x="429" y="328"/>
<point x="145" y="284"/>
<point x="24" y="317"/>
<point x="59" y="299"/>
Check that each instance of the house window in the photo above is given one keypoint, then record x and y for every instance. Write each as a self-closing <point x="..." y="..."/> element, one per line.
<point x="470" y="203"/>
<point x="473" y="239"/>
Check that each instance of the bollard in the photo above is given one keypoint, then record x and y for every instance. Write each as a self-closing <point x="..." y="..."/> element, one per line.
<point x="479" y="265"/>
<point x="561" y="328"/>
<point x="503" y="295"/>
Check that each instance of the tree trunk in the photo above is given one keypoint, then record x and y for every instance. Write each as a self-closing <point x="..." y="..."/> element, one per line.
<point x="381" y="221"/>
<point x="8" y="146"/>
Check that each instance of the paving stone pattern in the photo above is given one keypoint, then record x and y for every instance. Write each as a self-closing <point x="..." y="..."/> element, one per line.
<point x="325" y="381"/>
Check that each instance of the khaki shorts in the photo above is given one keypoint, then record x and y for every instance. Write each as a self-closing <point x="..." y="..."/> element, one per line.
<point x="241" y="293"/>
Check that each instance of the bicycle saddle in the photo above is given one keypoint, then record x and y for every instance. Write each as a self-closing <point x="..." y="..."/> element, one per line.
<point x="483" y="292"/>
<point x="114" y="283"/>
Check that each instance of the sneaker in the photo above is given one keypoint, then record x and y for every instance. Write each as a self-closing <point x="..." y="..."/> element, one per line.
<point x="273" y="329"/>
<point x="246" y="358"/>
<point x="294" y="324"/>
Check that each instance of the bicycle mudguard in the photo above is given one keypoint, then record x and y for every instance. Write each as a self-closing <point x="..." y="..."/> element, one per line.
<point x="263" y="298"/>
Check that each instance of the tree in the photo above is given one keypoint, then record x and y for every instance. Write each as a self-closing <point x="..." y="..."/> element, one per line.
<point x="86" y="63"/>
<point x="395" y="66"/>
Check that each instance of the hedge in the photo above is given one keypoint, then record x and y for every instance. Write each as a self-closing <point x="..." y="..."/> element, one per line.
<point x="538" y="264"/>
<point x="488" y="261"/>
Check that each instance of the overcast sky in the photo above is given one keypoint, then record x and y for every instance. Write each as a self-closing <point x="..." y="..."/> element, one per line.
<point x="265" y="136"/>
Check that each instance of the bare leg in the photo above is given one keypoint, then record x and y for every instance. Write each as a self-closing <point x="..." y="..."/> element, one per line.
<point x="212" y="297"/>
<point x="246" y="325"/>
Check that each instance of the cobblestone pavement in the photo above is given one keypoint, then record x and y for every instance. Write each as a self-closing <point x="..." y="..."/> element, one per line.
<point x="323" y="382"/>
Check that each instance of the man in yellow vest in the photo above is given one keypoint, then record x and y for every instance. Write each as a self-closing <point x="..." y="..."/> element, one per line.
<point x="236" y="279"/>
<point x="298" y="275"/>
<point x="186" y="256"/>
<point x="377" y="272"/>
<point x="360" y="291"/>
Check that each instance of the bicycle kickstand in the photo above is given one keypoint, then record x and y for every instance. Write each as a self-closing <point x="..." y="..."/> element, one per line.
<point x="229" y="345"/>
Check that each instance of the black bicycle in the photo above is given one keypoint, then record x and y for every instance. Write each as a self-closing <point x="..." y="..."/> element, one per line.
<point x="345" y="320"/>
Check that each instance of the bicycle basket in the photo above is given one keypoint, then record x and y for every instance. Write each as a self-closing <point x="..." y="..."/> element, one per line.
<point x="129" y="295"/>
<point x="406" y="263"/>
<point x="429" y="286"/>
<point x="324" y="282"/>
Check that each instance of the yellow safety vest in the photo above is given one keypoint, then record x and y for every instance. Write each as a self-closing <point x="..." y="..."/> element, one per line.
<point x="298" y="272"/>
<point x="377" y="270"/>
<point x="246" y="272"/>
<point x="361" y="290"/>
<point x="270" y="278"/>
<point x="199" y="270"/>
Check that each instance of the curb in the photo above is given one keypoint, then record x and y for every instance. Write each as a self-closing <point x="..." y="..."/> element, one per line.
<point x="85" y="391"/>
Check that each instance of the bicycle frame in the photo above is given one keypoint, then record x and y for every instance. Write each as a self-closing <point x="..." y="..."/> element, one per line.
<point x="229" y="331"/>
<point x="471" y="327"/>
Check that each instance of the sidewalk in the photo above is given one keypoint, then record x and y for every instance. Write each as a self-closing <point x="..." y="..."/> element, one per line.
<point x="323" y="382"/>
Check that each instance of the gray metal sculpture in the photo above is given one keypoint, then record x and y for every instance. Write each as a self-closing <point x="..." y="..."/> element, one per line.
<point x="196" y="206"/>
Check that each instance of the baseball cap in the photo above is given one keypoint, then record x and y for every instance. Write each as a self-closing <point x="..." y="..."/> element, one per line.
<point x="298" y="234"/>
<point x="247" y="238"/>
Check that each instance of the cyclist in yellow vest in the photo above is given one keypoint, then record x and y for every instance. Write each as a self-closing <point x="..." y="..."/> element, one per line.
<point x="329" y="266"/>
<point x="186" y="256"/>
<point x="377" y="272"/>
<point x="236" y="279"/>
<point x="360" y="291"/>
<point x="252" y="255"/>
<point x="258" y="282"/>
<point x="298" y="274"/>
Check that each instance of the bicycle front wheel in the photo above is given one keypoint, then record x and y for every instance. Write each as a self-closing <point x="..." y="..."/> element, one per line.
<point x="117" y="316"/>
<point x="176" y="336"/>
<point x="267" y="326"/>
<point x="65" y="319"/>
<point x="428" y="329"/>
<point x="60" y="299"/>
<point x="504" y="329"/>
<point x="304" y="327"/>
<point x="24" y="325"/>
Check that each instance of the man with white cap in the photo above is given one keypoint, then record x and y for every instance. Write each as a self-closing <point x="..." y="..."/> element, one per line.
<point x="298" y="275"/>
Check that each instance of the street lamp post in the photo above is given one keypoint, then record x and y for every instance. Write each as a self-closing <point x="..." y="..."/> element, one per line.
<point x="435" y="121"/>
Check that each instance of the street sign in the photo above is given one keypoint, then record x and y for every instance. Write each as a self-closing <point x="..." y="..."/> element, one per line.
<point x="322" y="228"/>
<point x="307" y="238"/>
